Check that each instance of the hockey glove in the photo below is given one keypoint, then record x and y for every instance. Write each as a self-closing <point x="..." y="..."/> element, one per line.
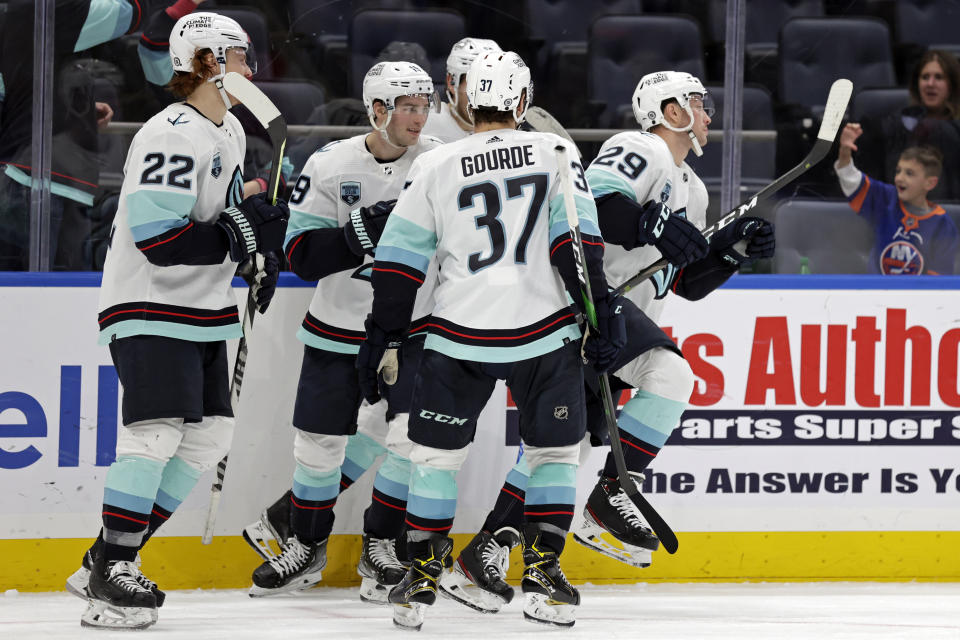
<point x="254" y="225"/>
<point x="601" y="346"/>
<point x="673" y="235"/>
<point x="744" y="241"/>
<point x="263" y="284"/>
<point x="379" y="351"/>
<point x="365" y="226"/>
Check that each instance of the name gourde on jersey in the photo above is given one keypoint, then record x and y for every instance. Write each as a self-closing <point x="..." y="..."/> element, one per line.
<point x="771" y="368"/>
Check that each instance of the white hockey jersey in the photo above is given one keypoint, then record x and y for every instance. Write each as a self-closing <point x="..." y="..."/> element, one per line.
<point x="640" y="166"/>
<point x="489" y="207"/>
<point x="443" y="126"/>
<point x="337" y="179"/>
<point x="181" y="169"/>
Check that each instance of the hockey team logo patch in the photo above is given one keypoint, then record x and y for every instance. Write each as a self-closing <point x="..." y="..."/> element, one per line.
<point x="216" y="168"/>
<point x="350" y="192"/>
<point x="561" y="413"/>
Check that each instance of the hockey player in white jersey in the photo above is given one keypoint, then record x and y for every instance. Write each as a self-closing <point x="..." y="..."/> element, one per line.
<point x="167" y="309"/>
<point x="339" y="207"/>
<point x="650" y="204"/>
<point x="489" y="208"/>
<point x="454" y="122"/>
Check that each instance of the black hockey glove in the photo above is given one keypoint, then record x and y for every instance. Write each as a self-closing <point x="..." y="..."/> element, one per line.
<point x="602" y="345"/>
<point x="375" y="355"/>
<point x="254" y="225"/>
<point x="757" y="234"/>
<point x="674" y="236"/>
<point x="365" y="226"/>
<point x="263" y="284"/>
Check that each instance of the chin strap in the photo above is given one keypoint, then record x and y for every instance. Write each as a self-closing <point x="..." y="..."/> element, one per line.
<point x="383" y="131"/>
<point x="697" y="149"/>
<point x="218" y="81"/>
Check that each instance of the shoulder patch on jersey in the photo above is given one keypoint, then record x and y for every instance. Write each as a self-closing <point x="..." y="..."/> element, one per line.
<point x="350" y="192"/>
<point x="216" y="166"/>
<point x="407" y="184"/>
<point x="177" y="120"/>
<point x="667" y="188"/>
<point x="329" y="146"/>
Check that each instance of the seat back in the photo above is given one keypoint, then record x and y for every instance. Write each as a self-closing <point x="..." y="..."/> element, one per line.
<point x="816" y="51"/>
<point x="623" y="49"/>
<point x="877" y="103"/>
<point x="296" y="99"/>
<point x="928" y="22"/>
<point x="372" y="30"/>
<point x="763" y="20"/>
<point x="569" y="20"/>
<point x="828" y="233"/>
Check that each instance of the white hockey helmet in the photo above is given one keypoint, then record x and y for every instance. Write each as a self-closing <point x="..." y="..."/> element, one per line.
<point x="387" y="81"/>
<point x="654" y="88"/>
<point x="203" y="30"/>
<point x="462" y="55"/>
<point x="498" y="79"/>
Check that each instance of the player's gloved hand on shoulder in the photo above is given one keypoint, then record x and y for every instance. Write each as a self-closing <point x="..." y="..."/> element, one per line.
<point x="365" y="226"/>
<point x="602" y="344"/>
<point x="254" y="225"/>
<point x="678" y="239"/>
<point x="380" y="351"/>
<point x="263" y="284"/>
<point x="744" y="240"/>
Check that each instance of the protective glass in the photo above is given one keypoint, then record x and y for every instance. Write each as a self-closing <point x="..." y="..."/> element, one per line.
<point x="249" y="55"/>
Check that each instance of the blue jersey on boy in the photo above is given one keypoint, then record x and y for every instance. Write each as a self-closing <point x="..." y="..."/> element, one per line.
<point x="904" y="243"/>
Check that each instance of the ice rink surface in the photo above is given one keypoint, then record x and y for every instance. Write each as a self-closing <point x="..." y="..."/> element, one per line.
<point x="835" y="610"/>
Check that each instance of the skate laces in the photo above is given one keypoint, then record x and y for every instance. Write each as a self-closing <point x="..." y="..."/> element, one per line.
<point x="144" y="581"/>
<point x="124" y="574"/>
<point x="292" y="558"/>
<point x="382" y="553"/>
<point x="495" y="558"/>
<point x="627" y="509"/>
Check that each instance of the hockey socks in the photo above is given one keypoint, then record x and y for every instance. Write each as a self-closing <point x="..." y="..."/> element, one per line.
<point x="361" y="452"/>
<point x="645" y="423"/>
<point x="432" y="501"/>
<point x="128" y="498"/>
<point x="388" y="506"/>
<point x="551" y="493"/>
<point x="314" y="496"/>
<point x="178" y="480"/>
<point x="508" y="510"/>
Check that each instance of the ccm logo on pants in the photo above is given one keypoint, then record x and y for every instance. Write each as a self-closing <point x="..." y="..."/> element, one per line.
<point x="439" y="417"/>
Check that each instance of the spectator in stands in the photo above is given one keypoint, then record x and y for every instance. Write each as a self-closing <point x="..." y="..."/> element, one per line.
<point x="932" y="118"/>
<point x="911" y="235"/>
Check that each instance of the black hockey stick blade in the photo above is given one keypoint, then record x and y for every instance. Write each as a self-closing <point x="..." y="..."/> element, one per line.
<point x="833" y="112"/>
<point x="660" y="527"/>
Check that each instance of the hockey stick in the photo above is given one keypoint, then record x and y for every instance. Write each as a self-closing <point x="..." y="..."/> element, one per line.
<point x="666" y="535"/>
<point x="540" y="119"/>
<point x="269" y="117"/>
<point x="836" y="106"/>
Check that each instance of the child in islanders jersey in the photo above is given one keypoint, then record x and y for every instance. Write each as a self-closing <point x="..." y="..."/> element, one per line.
<point x="912" y="236"/>
<point x="167" y="309"/>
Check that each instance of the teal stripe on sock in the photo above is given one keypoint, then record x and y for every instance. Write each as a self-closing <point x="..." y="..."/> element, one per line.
<point x="179" y="479"/>
<point x="316" y="486"/>
<point x="134" y="477"/>
<point x="362" y="451"/>
<point x="651" y="418"/>
<point x="396" y="469"/>
<point x="519" y="475"/>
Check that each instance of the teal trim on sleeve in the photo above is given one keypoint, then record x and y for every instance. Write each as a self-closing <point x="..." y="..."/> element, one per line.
<point x="129" y="328"/>
<point x="409" y="258"/>
<point x="403" y="234"/>
<point x="56" y="188"/>
<point x="603" y="182"/>
<point x="586" y="215"/>
<point x="106" y="21"/>
<point x="151" y="213"/>
<point x="533" y="349"/>
<point x="156" y="65"/>
<point x="301" y="221"/>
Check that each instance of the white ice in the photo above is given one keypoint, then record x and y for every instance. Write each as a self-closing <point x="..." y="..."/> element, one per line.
<point x="836" y="610"/>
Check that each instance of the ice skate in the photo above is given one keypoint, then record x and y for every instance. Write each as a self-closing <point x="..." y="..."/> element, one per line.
<point x="612" y="525"/>
<point x="273" y="525"/>
<point x="117" y="600"/>
<point x="418" y="589"/>
<point x="379" y="568"/>
<point x="548" y="597"/>
<point x="298" y="567"/>
<point x="478" y="577"/>
<point x="79" y="579"/>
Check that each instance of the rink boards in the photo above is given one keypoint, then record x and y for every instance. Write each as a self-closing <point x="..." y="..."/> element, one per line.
<point x="821" y="441"/>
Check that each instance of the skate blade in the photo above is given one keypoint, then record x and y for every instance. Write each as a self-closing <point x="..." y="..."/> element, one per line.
<point x="594" y="536"/>
<point x="540" y="609"/>
<point x="77" y="583"/>
<point x="102" y="615"/>
<point x="372" y="592"/>
<point x="454" y="584"/>
<point x="299" y="584"/>
<point x="258" y="536"/>
<point x="409" y="616"/>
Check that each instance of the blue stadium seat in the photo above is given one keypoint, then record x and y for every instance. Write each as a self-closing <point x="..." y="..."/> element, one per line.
<point x="254" y="23"/>
<point x="877" y="103"/>
<point x="372" y="30"/>
<point x="622" y="49"/>
<point x="929" y="23"/>
<point x="816" y="51"/>
<point x="555" y="23"/>
<point x="296" y="99"/>
<point x="953" y="210"/>
<point x="758" y="157"/>
<point x="828" y="233"/>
